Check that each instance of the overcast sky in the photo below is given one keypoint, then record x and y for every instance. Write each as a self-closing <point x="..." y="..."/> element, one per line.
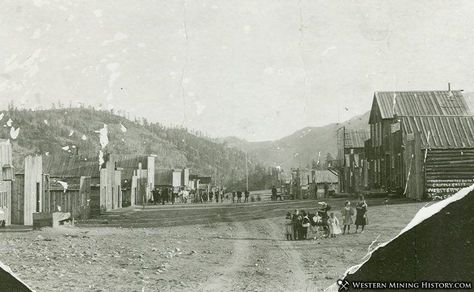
<point x="258" y="70"/>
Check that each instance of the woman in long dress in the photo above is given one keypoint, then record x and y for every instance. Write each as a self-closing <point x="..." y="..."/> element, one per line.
<point x="361" y="216"/>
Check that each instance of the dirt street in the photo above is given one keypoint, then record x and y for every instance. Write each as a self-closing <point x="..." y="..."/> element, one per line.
<point x="229" y="256"/>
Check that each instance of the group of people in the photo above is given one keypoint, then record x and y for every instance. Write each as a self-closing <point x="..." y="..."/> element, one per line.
<point x="298" y="223"/>
<point x="168" y="195"/>
<point x="238" y="195"/>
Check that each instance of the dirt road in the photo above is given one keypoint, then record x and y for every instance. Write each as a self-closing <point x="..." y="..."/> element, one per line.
<point x="248" y="255"/>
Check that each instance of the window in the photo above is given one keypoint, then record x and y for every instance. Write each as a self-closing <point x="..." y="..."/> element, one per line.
<point x="379" y="134"/>
<point x="372" y="134"/>
<point x="38" y="197"/>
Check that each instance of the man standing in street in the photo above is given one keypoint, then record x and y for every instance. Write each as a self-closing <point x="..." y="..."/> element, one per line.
<point x="247" y="194"/>
<point x="156" y="196"/>
<point x="164" y="195"/>
<point x="274" y="193"/>
<point x="239" y="197"/>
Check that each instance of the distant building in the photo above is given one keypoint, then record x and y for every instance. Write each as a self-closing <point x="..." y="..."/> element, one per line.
<point x="323" y="179"/>
<point x="351" y="163"/>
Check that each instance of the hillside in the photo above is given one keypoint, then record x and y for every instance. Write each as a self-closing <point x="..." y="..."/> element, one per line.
<point x="46" y="132"/>
<point x="299" y="148"/>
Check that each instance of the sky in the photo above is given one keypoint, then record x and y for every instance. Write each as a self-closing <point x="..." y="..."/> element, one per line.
<point x="258" y="70"/>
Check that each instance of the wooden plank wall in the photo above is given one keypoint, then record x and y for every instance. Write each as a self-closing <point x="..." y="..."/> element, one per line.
<point x="365" y="173"/>
<point x="6" y="180"/>
<point x="185" y="177"/>
<point x="138" y="193"/>
<point x="110" y="170"/>
<point x="141" y="186"/>
<point x="176" y="178"/>
<point x="5" y="200"/>
<point x="150" y="176"/>
<point x="18" y="199"/>
<point x="6" y="161"/>
<point x="94" y="203"/>
<point x="85" y="193"/>
<point x="103" y="190"/>
<point x="110" y="186"/>
<point x="46" y="195"/>
<point x="117" y="190"/>
<point x="141" y="190"/>
<point x="33" y="180"/>
<point x="413" y="165"/>
<point x="133" y="191"/>
<point x="74" y="200"/>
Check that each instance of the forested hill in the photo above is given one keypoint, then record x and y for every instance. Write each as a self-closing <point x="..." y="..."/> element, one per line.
<point x="48" y="131"/>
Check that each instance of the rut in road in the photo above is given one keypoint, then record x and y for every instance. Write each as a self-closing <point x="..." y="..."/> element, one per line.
<point x="240" y="257"/>
<point x="297" y="279"/>
<point x="279" y="265"/>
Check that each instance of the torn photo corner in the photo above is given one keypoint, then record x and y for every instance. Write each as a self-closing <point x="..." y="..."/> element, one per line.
<point x="10" y="282"/>
<point x="431" y="237"/>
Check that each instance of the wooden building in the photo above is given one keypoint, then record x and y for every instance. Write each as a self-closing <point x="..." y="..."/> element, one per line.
<point x="6" y="181"/>
<point x="176" y="178"/>
<point x="137" y="177"/>
<point x="163" y="178"/>
<point x="39" y="187"/>
<point x="324" y="178"/>
<point x="438" y="155"/>
<point x="351" y="162"/>
<point x="110" y="185"/>
<point x="398" y="122"/>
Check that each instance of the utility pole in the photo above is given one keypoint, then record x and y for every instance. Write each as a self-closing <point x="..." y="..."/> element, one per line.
<point x="246" y="171"/>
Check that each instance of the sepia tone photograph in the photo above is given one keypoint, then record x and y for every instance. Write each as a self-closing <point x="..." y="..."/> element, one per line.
<point x="265" y="145"/>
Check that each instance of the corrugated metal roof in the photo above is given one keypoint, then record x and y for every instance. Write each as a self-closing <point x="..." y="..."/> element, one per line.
<point x="417" y="103"/>
<point x="355" y="138"/>
<point x="442" y="132"/>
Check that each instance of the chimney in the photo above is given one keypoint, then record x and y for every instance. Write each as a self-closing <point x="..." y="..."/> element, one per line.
<point x="449" y="86"/>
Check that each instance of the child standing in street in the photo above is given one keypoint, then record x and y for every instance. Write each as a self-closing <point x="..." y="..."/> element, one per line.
<point x="347" y="214"/>
<point x="334" y="228"/>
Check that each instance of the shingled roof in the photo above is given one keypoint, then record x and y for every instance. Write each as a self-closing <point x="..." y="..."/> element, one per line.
<point x="442" y="131"/>
<point x="419" y="103"/>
